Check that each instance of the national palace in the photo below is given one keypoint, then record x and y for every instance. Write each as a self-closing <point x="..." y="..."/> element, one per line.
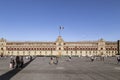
<point x="60" y="48"/>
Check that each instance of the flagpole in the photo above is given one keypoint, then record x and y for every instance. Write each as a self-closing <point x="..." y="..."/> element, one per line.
<point x="59" y="31"/>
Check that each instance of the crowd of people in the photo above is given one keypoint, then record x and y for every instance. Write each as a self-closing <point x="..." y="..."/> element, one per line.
<point x="102" y="58"/>
<point x="55" y="59"/>
<point x="17" y="62"/>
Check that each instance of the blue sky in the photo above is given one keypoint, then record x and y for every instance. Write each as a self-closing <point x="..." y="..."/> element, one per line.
<point x="39" y="20"/>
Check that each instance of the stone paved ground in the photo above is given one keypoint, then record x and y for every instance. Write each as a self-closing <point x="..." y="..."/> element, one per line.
<point x="76" y="69"/>
<point x="4" y="65"/>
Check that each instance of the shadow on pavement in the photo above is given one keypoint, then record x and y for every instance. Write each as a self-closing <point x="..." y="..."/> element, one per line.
<point x="8" y="75"/>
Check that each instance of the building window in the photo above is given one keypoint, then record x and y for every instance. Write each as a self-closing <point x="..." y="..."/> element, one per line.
<point x="59" y="48"/>
<point x="1" y="48"/>
<point x="112" y="51"/>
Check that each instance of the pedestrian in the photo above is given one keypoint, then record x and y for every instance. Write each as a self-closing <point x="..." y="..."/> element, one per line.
<point x="30" y="58"/>
<point x="56" y="60"/>
<point x="70" y="58"/>
<point x="17" y="62"/>
<point x="13" y="63"/>
<point x="118" y="58"/>
<point x="92" y="59"/>
<point x="21" y="62"/>
<point x="10" y="65"/>
<point x="51" y="60"/>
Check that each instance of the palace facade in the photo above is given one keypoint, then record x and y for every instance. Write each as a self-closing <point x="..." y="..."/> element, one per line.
<point x="59" y="48"/>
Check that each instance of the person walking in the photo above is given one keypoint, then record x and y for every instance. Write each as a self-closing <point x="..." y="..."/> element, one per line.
<point x="92" y="58"/>
<point x="10" y="65"/>
<point x="70" y="58"/>
<point x="13" y="63"/>
<point x="51" y="60"/>
<point x="17" y="62"/>
<point x="21" y="62"/>
<point x="56" y="60"/>
<point x="118" y="58"/>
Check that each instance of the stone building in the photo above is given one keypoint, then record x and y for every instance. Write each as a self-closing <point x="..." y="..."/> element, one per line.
<point x="59" y="48"/>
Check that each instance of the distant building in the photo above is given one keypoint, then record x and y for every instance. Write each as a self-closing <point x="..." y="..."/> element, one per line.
<point x="59" y="48"/>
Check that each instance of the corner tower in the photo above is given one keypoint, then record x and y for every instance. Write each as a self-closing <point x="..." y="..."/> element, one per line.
<point x="2" y="47"/>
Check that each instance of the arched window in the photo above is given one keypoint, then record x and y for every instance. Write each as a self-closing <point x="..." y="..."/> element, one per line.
<point x="37" y="48"/>
<point x="17" y="48"/>
<point x="24" y="48"/>
<point x="14" y="48"/>
<point x="59" y="48"/>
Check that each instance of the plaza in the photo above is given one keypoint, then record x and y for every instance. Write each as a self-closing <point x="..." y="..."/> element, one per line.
<point x="78" y="68"/>
<point x="59" y="40"/>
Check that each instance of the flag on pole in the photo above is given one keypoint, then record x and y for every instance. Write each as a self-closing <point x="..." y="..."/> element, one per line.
<point x="61" y="28"/>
